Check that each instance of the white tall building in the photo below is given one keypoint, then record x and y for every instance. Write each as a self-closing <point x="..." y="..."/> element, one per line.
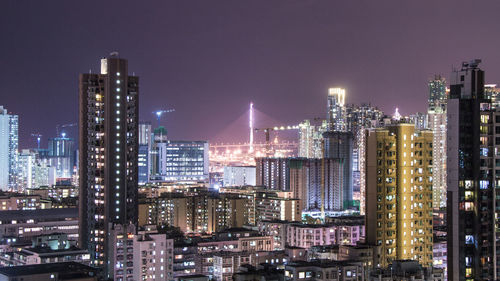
<point x="32" y="172"/>
<point x="359" y="118"/>
<point x="145" y="146"/>
<point x="438" y="125"/>
<point x="8" y="149"/>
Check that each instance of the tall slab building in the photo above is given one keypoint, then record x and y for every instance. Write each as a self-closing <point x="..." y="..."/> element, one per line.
<point x="108" y="165"/>
<point x="437" y="123"/>
<point x="339" y="146"/>
<point x="472" y="160"/>
<point x="145" y="146"/>
<point x="399" y="193"/>
<point x="9" y="139"/>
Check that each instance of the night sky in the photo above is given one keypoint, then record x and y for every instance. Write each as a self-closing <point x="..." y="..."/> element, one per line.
<point x="208" y="59"/>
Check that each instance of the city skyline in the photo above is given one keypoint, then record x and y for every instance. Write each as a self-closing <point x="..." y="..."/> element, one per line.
<point x="250" y="140"/>
<point x="191" y="60"/>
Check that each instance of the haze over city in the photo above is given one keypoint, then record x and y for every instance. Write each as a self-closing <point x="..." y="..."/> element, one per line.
<point x="209" y="59"/>
<point x="270" y="140"/>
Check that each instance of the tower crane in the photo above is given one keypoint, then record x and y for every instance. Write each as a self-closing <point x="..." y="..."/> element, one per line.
<point x="267" y="131"/>
<point x="58" y="127"/>
<point x="159" y="113"/>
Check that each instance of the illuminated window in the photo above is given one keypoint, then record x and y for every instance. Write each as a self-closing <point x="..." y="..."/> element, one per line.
<point x="484" y="184"/>
<point x="469" y="239"/>
<point x="468" y="272"/>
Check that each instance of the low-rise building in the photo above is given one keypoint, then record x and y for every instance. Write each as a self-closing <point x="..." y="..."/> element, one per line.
<point x="226" y="263"/>
<point x="56" y="192"/>
<point x="201" y="212"/>
<point x="185" y="255"/>
<point x="194" y="277"/>
<point x="25" y="224"/>
<point x="67" y="271"/>
<point x="44" y="255"/>
<point x="439" y="252"/>
<point x="262" y="273"/>
<point x="269" y="206"/>
<point x="153" y="256"/>
<point x="307" y="235"/>
<point x="368" y="255"/>
<point x="406" y="270"/>
<point x="344" y="232"/>
<point x="324" y="270"/>
<point x="276" y="229"/>
<point x="18" y="201"/>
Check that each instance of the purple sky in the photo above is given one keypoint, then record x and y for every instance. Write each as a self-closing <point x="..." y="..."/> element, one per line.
<point x="209" y="59"/>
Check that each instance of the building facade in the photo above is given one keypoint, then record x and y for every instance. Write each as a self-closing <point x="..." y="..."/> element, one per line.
<point x="33" y="172"/>
<point x="336" y="110"/>
<point x="320" y="184"/>
<point x="9" y="142"/>
<point x="273" y="173"/>
<point x="311" y="139"/>
<point x="399" y="193"/>
<point x="239" y="175"/>
<point x="339" y="146"/>
<point x="437" y="123"/>
<point x="204" y="212"/>
<point x="108" y="160"/>
<point x="472" y="217"/>
<point x="179" y="160"/>
<point x="145" y="146"/>
<point x="154" y="256"/>
<point x="358" y="119"/>
<point x="62" y="156"/>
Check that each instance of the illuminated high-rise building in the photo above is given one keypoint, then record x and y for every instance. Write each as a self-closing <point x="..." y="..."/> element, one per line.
<point x="9" y="139"/>
<point x="437" y="124"/>
<point x="273" y="173"/>
<point x="320" y="184"/>
<point x="33" y="171"/>
<point x="61" y="156"/>
<point x="437" y="94"/>
<point x="358" y="119"/>
<point x="472" y="178"/>
<point x="399" y="193"/>
<point x="336" y="110"/>
<point x="159" y="153"/>
<point x="145" y="146"/>
<point x="326" y="184"/>
<point x="311" y="139"/>
<point x="493" y="92"/>
<point x="339" y="147"/>
<point x="108" y="165"/>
